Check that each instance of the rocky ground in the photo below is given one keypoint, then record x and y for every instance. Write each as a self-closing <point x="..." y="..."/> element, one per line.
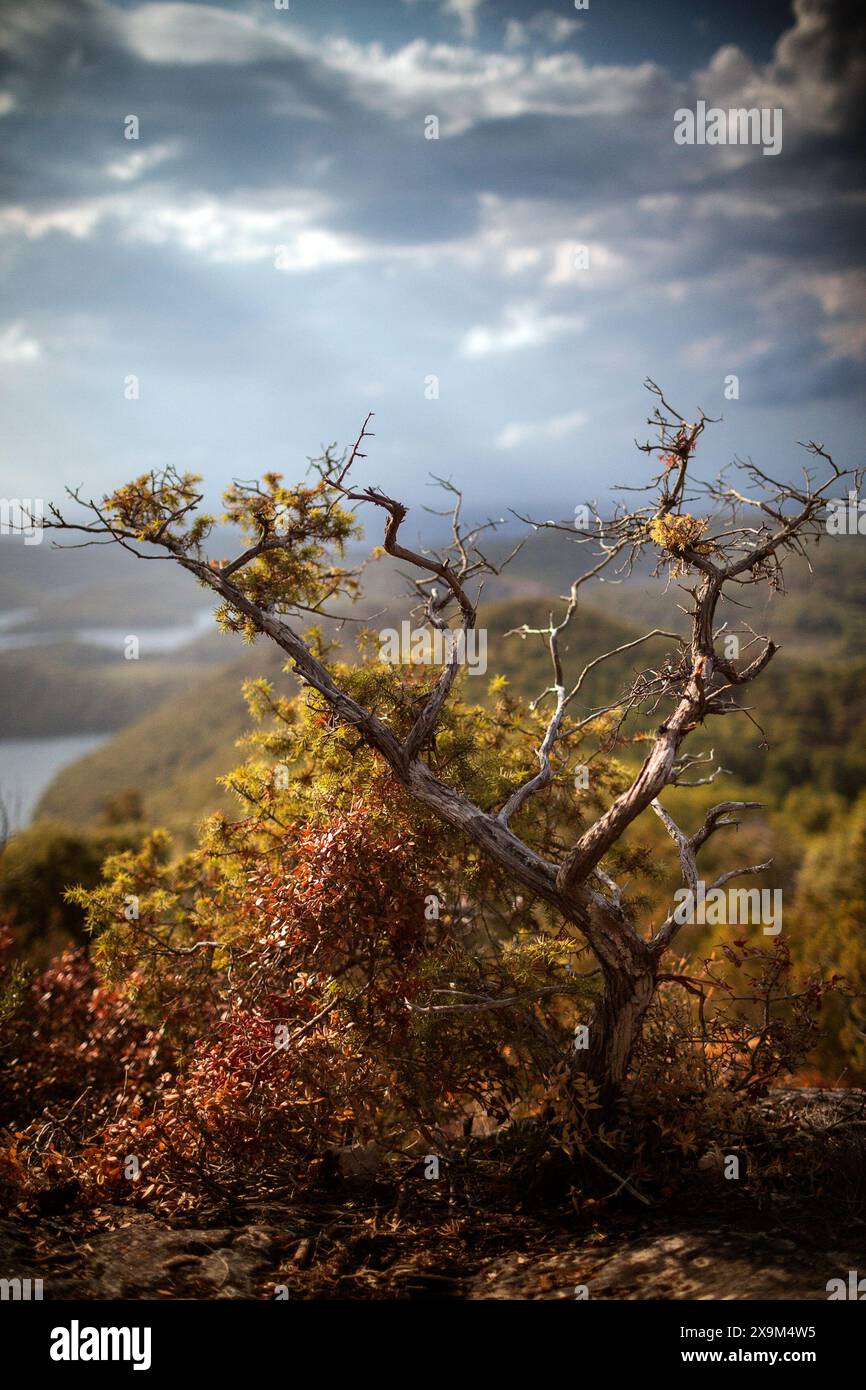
<point x="367" y="1240"/>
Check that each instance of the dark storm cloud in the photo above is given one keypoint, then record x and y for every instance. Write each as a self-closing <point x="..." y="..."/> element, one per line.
<point x="405" y="256"/>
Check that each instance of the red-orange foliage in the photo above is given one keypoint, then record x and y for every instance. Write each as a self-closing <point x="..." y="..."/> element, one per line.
<point x="314" y="1046"/>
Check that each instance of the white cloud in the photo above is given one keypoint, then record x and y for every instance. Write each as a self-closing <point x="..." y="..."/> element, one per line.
<point x="603" y="263"/>
<point x="521" y="326"/>
<point x="465" y="86"/>
<point x="73" y="219"/>
<point x="469" y="85"/>
<point x="724" y="351"/>
<point x="465" y="11"/>
<point x="186" y="34"/>
<point x="16" y="346"/>
<point x="225" y="230"/>
<point x="815" y="77"/>
<point x="217" y="229"/>
<point x="138" y="162"/>
<point x="842" y="297"/>
<point x="549" y="27"/>
<point x="558" y="427"/>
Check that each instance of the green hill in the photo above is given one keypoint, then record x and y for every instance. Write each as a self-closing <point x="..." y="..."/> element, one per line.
<point x="171" y="756"/>
<point x="806" y="727"/>
<point x="185" y="734"/>
<point x="68" y="689"/>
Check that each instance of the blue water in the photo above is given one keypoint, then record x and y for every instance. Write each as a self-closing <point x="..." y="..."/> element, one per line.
<point x="152" y="640"/>
<point x="29" y="765"/>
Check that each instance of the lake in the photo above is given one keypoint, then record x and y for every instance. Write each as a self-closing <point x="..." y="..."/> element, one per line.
<point x="154" y="641"/>
<point x="28" y="765"/>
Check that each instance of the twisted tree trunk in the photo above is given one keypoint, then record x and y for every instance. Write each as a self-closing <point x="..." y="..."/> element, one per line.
<point x="616" y="1028"/>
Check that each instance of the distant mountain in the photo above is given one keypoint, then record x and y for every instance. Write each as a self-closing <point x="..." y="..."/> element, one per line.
<point x="811" y="715"/>
<point x="810" y="702"/>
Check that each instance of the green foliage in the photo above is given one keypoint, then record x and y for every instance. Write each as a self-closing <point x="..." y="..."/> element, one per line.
<point x="830" y="916"/>
<point x="36" y="869"/>
<point x="300" y="572"/>
<point x="312" y="912"/>
<point x="316" y="905"/>
<point x="812" y="734"/>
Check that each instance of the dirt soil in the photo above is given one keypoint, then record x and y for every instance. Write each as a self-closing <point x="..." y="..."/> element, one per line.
<point x="365" y="1239"/>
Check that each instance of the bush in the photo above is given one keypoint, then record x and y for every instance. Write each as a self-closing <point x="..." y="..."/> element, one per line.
<point x="333" y="971"/>
<point x="37" y="867"/>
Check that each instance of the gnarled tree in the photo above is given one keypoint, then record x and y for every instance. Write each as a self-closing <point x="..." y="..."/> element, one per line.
<point x="291" y="565"/>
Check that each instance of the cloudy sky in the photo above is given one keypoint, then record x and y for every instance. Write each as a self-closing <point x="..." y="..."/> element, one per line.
<point x="282" y="249"/>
